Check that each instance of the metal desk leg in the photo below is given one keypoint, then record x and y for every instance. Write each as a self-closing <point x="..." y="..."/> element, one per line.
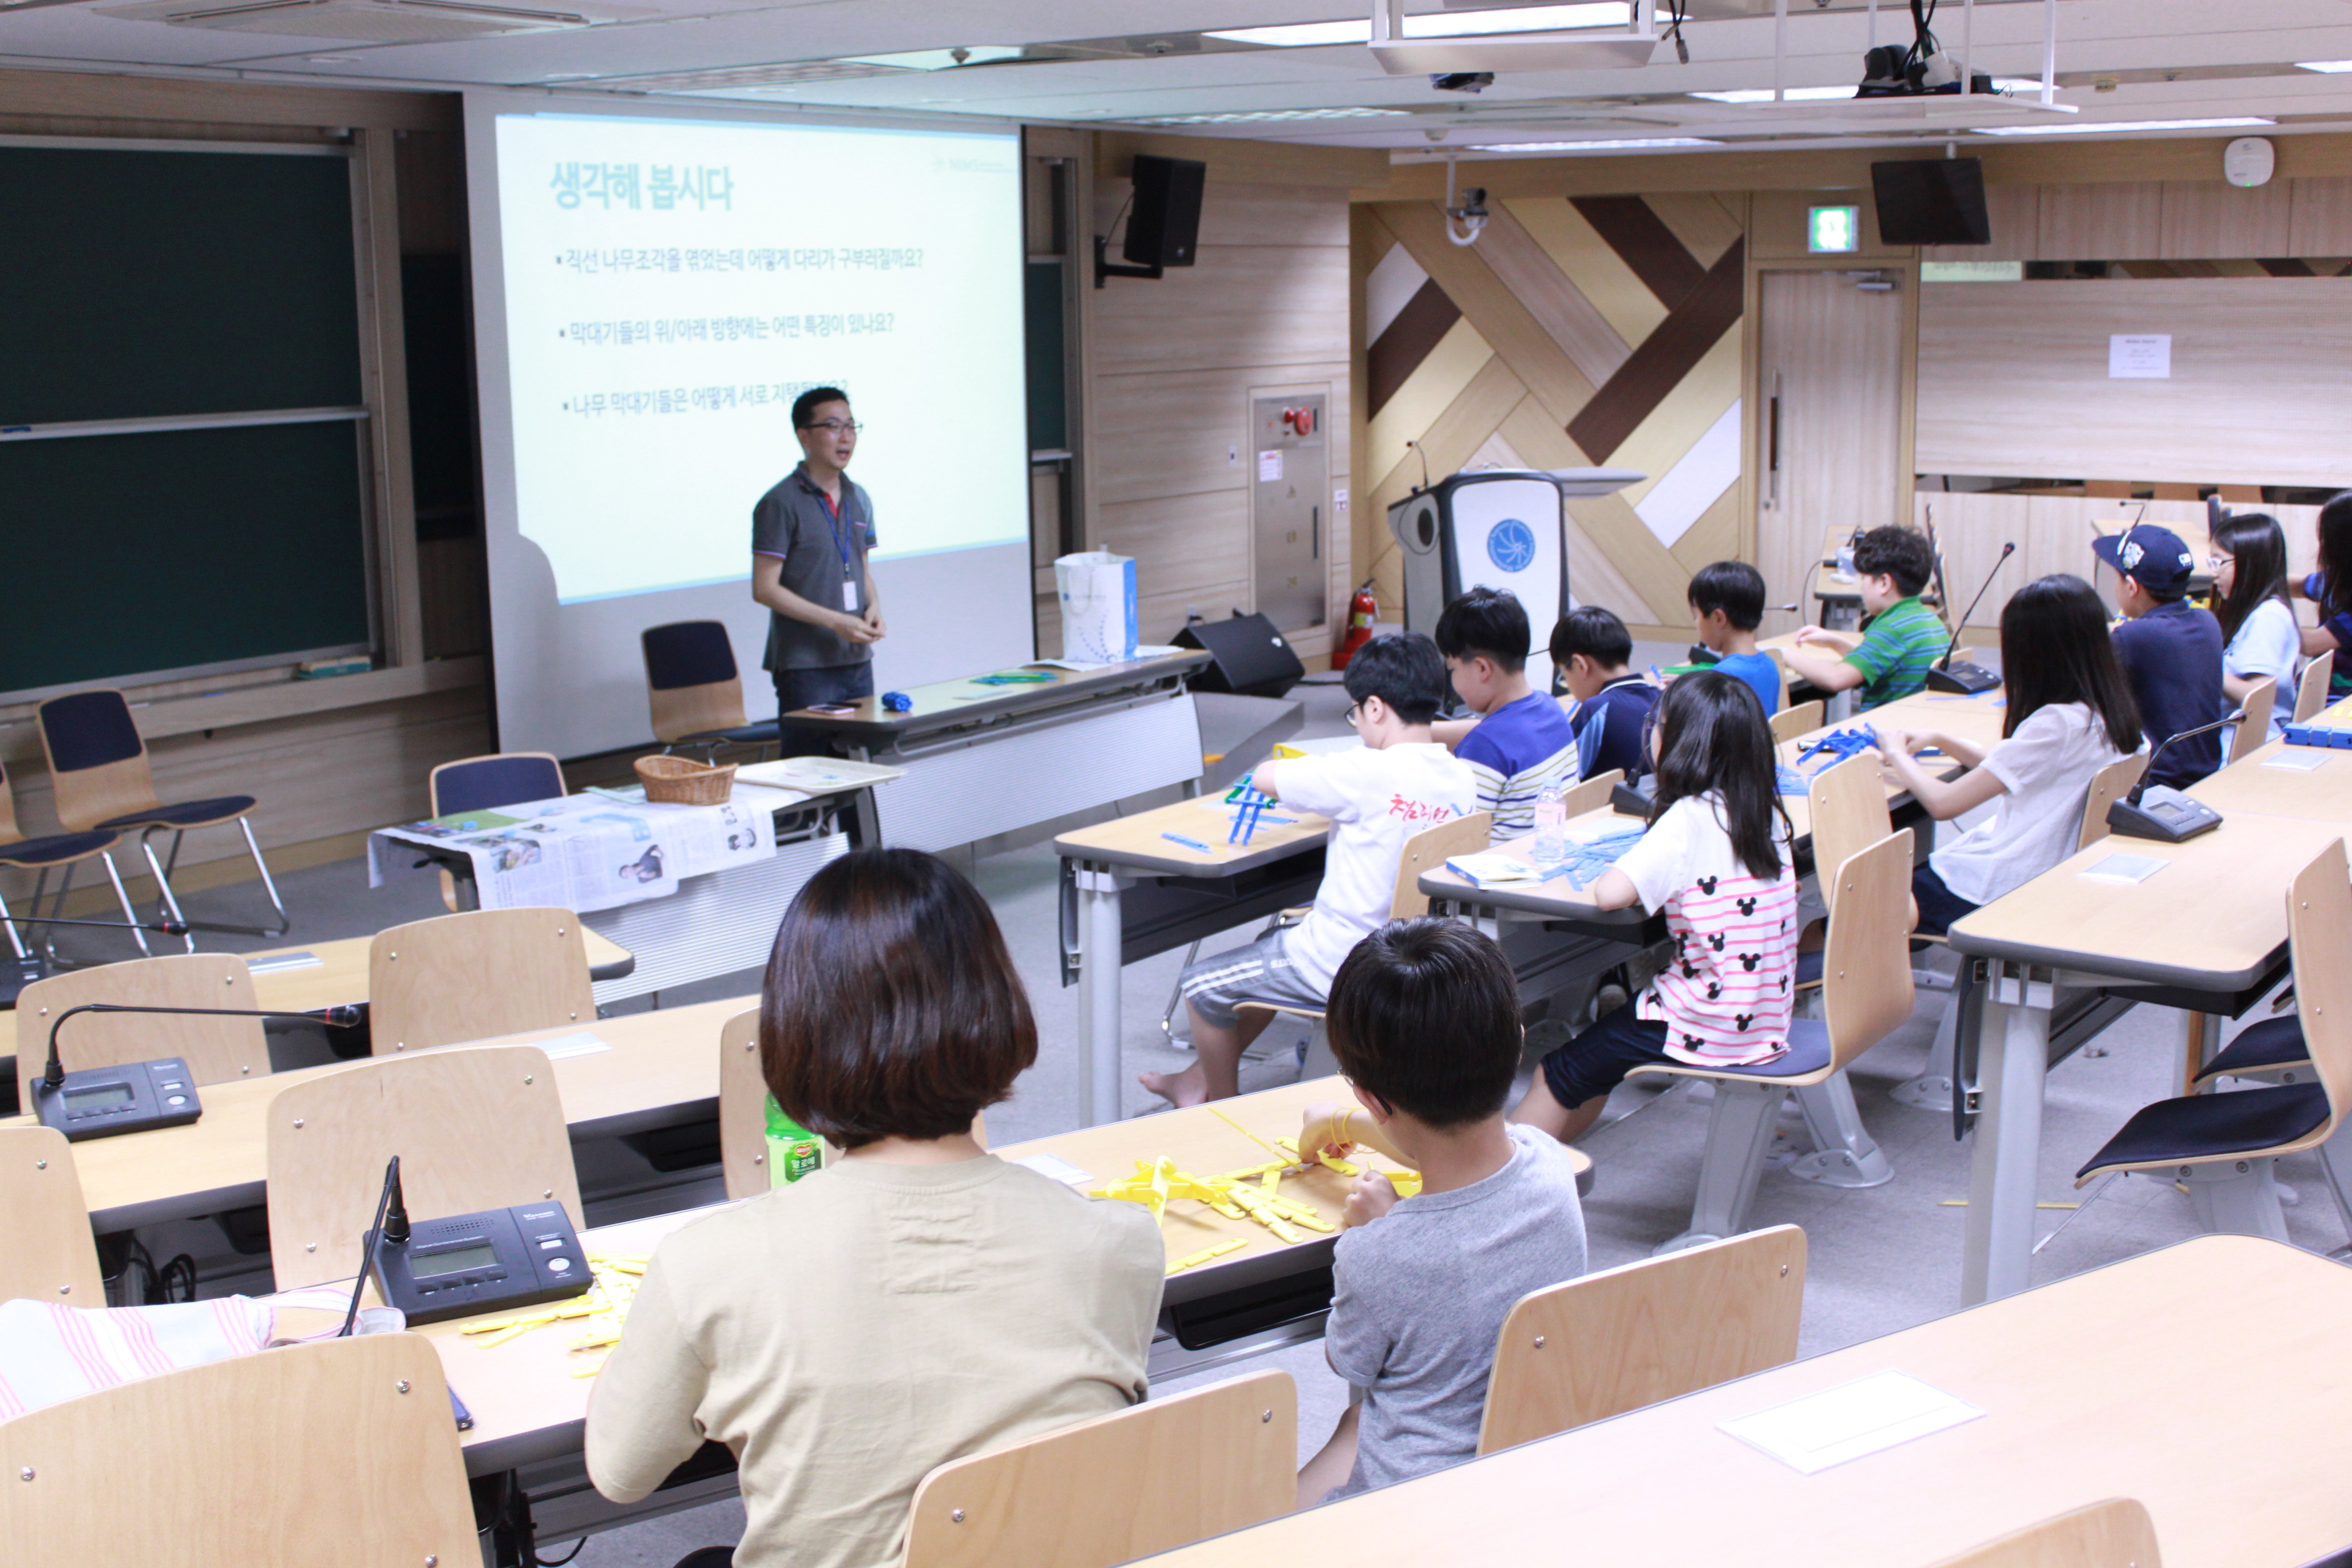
<point x="2013" y="1057"/>
<point x="1100" y="945"/>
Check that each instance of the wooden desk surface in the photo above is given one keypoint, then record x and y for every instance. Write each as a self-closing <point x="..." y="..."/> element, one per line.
<point x="528" y="1404"/>
<point x="2225" y="890"/>
<point x="954" y="702"/>
<point x="2322" y="792"/>
<point x="1135" y="841"/>
<point x="660" y="1063"/>
<point x="340" y="976"/>
<point x="2073" y="1413"/>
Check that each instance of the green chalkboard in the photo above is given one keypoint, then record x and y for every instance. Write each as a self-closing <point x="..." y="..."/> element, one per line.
<point x="146" y="284"/>
<point x="137" y="553"/>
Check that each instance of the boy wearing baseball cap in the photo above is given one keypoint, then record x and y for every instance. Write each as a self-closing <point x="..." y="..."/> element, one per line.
<point x="2170" y="650"/>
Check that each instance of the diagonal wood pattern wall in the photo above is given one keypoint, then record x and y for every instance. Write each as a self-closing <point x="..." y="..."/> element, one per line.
<point x="1578" y="332"/>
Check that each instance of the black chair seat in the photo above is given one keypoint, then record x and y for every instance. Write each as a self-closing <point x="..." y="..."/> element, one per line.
<point x="188" y="813"/>
<point x="54" y="850"/>
<point x="742" y="735"/>
<point x="2200" y="1126"/>
<point x="2266" y="1046"/>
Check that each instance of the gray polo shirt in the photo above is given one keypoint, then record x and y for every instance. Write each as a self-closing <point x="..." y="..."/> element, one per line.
<point x="795" y="523"/>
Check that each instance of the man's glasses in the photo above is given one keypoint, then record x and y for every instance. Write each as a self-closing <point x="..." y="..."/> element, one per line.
<point x="835" y="426"/>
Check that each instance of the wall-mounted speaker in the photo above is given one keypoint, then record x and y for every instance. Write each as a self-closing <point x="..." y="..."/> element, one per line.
<point x="1163" y="228"/>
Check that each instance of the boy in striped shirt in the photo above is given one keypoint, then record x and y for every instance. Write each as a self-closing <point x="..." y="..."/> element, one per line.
<point x="1521" y="743"/>
<point x="1901" y="637"/>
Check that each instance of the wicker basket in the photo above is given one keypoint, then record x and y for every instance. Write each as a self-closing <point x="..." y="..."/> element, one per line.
<point x="676" y="780"/>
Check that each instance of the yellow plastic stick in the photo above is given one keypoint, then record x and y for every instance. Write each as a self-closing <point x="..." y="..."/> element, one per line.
<point x="1242" y="1130"/>
<point x="1230" y="1244"/>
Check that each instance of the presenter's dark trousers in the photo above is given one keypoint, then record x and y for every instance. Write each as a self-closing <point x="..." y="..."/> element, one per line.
<point x="797" y="688"/>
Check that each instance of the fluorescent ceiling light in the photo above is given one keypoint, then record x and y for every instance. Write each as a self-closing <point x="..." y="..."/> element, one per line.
<point x="1256" y="116"/>
<point x="1764" y="94"/>
<point x="2077" y="128"/>
<point x="1594" y="146"/>
<point x="2332" y="68"/>
<point x="939" y="59"/>
<point x="1441" y="25"/>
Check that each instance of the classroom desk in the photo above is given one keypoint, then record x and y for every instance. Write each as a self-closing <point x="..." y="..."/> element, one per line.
<point x="283" y="978"/>
<point x="2074" y="1412"/>
<point x="985" y="760"/>
<point x="2206" y="933"/>
<point x="663" y="1070"/>
<point x="2319" y="787"/>
<point x="1180" y="894"/>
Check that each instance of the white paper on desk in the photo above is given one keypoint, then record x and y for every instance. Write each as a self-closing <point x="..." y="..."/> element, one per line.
<point x="1492" y="869"/>
<point x="1812" y="1434"/>
<point x="2301" y="760"/>
<point x="278" y="961"/>
<point x="2123" y="869"/>
<point x="1054" y="1166"/>
<point x="583" y="1044"/>
<point x="1080" y="665"/>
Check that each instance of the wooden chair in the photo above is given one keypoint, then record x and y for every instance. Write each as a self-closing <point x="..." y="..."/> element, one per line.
<point x="475" y="976"/>
<point x="1589" y="796"/>
<point x="97" y="766"/>
<point x="217" y="1050"/>
<point x="1142" y="1480"/>
<point x="43" y="855"/>
<point x="481" y="1129"/>
<point x="338" y="1451"/>
<point x="1867" y="992"/>
<point x="51" y="1254"/>
<point x="2256" y="727"/>
<point x="743" y="1107"/>
<point x="694" y="688"/>
<point x="2116" y="1533"/>
<point x="2108" y="786"/>
<point x="1780" y="662"/>
<point x="1802" y="720"/>
<point x="2222" y="1146"/>
<point x="1609" y="1343"/>
<point x="2311" y="691"/>
<point x="487" y="782"/>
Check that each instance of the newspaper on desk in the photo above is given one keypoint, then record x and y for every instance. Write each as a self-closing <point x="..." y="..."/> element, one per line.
<point x="581" y="852"/>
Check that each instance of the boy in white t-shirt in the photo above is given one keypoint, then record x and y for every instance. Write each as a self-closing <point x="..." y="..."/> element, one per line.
<point x="1401" y="784"/>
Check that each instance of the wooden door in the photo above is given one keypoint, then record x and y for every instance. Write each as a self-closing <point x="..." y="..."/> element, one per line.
<point x="1829" y="362"/>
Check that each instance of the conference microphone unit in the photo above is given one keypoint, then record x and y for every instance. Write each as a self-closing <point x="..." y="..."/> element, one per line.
<point x="1965" y="679"/>
<point x="134" y="1096"/>
<point x="2161" y="812"/>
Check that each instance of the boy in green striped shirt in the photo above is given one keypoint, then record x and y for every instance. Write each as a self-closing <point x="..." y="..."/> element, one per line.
<point x="1902" y="637"/>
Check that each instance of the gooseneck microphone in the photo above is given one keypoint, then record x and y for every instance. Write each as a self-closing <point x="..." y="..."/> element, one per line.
<point x="341" y="1016"/>
<point x="1967" y="678"/>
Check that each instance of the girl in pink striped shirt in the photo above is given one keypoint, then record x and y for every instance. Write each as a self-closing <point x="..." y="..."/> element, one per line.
<point x="1716" y="862"/>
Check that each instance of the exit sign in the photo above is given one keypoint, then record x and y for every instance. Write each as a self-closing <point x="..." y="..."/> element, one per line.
<point x="1834" y="230"/>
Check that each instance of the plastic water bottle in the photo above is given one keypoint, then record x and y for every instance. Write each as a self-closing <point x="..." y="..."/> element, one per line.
<point x="1551" y="826"/>
<point x="793" y="1151"/>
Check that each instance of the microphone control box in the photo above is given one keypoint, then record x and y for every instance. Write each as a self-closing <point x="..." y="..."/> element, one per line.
<point x="99" y="1102"/>
<point x="486" y="1262"/>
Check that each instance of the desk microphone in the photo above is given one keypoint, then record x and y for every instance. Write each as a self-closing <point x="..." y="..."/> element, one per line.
<point x="2161" y="812"/>
<point x="1965" y="678"/>
<point x="99" y="1102"/>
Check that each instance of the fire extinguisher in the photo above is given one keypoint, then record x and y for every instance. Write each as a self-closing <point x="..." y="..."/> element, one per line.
<point x="1362" y="611"/>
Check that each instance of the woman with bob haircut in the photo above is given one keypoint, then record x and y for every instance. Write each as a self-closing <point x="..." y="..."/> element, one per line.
<point x="916" y="1300"/>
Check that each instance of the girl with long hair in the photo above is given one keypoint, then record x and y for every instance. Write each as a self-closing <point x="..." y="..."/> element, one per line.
<point x="2260" y="639"/>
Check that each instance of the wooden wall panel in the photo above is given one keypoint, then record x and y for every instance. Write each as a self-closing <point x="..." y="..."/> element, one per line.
<point x="2320" y="216"/>
<point x="2013" y="381"/>
<point x="2093" y="223"/>
<point x="1255" y="305"/>
<point x="2209" y="219"/>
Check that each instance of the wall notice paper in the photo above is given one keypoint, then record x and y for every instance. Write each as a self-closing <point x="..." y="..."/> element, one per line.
<point x="581" y="852"/>
<point x="1269" y="466"/>
<point x="1828" y="1428"/>
<point x="2123" y="869"/>
<point x="2140" y="356"/>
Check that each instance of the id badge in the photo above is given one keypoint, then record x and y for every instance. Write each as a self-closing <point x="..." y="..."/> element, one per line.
<point x="849" y="595"/>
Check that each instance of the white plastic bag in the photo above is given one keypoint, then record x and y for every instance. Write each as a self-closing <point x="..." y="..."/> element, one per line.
<point x="50" y="1352"/>
<point x="1098" y="617"/>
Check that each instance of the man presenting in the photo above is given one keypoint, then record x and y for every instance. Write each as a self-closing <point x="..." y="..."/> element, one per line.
<point x="809" y="539"/>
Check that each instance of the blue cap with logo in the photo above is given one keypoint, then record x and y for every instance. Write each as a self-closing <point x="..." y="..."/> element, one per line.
<point x="2154" y="556"/>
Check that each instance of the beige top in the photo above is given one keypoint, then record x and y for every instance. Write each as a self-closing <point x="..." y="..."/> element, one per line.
<point x="848" y="1333"/>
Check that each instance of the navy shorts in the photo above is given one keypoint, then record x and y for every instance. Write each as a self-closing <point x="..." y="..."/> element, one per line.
<point x="1938" y="905"/>
<point x="1596" y="1060"/>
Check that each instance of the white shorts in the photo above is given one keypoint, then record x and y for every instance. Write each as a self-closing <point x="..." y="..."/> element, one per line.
<point x="1261" y="972"/>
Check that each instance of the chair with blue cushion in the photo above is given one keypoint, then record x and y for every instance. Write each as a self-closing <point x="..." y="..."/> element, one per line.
<point x="41" y="855"/>
<point x="487" y="783"/>
<point x="97" y="766"/>
<point x="2222" y="1146"/>
<point x="694" y="688"/>
<point x="1866" y="994"/>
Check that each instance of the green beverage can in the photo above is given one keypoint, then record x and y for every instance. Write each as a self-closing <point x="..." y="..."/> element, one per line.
<point x="793" y="1151"/>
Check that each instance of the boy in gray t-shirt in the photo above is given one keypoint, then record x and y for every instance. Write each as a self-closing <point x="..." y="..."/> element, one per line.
<point x="1424" y="1021"/>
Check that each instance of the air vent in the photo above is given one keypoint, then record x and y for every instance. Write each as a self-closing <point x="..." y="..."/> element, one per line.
<point x="361" y="21"/>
